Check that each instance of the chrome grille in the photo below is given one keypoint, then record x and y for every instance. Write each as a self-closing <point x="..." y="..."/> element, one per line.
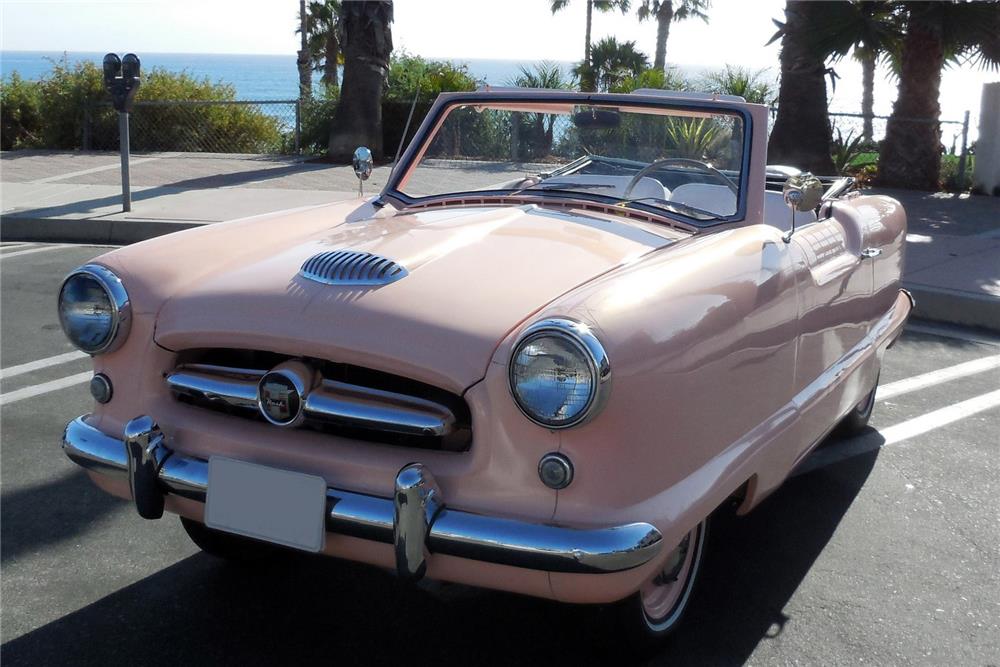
<point x="352" y="267"/>
<point x="348" y="401"/>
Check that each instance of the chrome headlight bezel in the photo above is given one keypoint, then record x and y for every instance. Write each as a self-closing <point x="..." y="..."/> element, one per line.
<point x="581" y="337"/>
<point x="121" y="307"/>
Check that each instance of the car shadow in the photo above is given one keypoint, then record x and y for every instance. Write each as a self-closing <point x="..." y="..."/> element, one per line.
<point x="26" y="510"/>
<point x="302" y="608"/>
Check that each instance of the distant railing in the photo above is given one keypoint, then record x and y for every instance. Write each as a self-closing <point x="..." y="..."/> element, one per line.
<point x="852" y="125"/>
<point x="201" y="126"/>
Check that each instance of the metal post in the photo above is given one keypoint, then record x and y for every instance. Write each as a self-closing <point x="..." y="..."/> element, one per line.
<point x="515" y="136"/>
<point x="123" y="147"/>
<point x="86" y="127"/>
<point x="965" y="152"/>
<point x="298" y="125"/>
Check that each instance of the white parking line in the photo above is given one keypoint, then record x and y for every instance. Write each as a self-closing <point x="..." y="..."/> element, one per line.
<point x="937" y="377"/>
<point x="44" y="388"/>
<point x="939" y="418"/>
<point x="8" y="255"/>
<point x="951" y="331"/>
<point x="14" y="245"/>
<point x="41" y="363"/>
<point x="899" y="432"/>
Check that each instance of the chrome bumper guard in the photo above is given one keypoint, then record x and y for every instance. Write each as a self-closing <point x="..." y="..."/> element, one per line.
<point x="416" y="520"/>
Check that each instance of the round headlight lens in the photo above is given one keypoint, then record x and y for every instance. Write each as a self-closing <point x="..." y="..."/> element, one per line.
<point x="93" y="309"/>
<point x="553" y="378"/>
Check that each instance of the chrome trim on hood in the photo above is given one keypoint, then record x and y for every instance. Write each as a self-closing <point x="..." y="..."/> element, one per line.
<point x="352" y="267"/>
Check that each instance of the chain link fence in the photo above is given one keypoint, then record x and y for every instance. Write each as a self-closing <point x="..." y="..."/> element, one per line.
<point x="199" y="126"/>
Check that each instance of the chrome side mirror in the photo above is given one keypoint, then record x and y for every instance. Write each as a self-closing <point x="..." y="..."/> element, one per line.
<point x="363" y="165"/>
<point x="802" y="192"/>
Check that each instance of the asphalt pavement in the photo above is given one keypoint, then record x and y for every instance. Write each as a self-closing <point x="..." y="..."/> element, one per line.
<point x="884" y="549"/>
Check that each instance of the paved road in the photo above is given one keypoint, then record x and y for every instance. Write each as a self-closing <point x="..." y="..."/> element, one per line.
<point x="885" y="551"/>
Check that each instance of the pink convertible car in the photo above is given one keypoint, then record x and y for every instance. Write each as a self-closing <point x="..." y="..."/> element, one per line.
<point x="569" y="328"/>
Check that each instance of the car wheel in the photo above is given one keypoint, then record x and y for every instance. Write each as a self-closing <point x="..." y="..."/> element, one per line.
<point x="227" y="546"/>
<point x="657" y="609"/>
<point x="857" y="419"/>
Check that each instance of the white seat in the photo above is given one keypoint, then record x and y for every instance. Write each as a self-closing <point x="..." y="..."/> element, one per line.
<point x="718" y="199"/>
<point x="777" y="213"/>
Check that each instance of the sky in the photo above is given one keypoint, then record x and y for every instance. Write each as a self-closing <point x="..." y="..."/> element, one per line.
<point x="457" y="29"/>
<point x="511" y="29"/>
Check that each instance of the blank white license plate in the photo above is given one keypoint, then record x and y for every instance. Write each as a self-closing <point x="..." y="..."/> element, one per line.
<point x="265" y="503"/>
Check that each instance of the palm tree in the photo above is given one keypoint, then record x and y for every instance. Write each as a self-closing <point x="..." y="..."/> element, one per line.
<point x="872" y="30"/>
<point x="664" y="13"/>
<point x="367" y="44"/>
<point x="324" y="38"/>
<point x="302" y="59"/>
<point x="612" y="63"/>
<point x="540" y="127"/>
<point x="586" y="77"/>
<point x="936" y="33"/>
<point x="801" y="136"/>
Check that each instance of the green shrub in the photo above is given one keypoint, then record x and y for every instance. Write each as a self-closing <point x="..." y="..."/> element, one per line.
<point x="949" y="173"/>
<point x="316" y="116"/>
<point x="52" y="113"/>
<point x="20" y="116"/>
<point x="653" y="78"/>
<point x="751" y="85"/>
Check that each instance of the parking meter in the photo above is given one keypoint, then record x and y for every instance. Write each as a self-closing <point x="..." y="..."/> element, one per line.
<point x="121" y="80"/>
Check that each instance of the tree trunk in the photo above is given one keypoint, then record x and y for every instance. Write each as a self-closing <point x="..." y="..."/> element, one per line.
<point x="367" y="44"/>
<point x="911" y="154"/>
<point x="663" y="18"/>
<point x="867" y="92"/>
<point x="331" y="53"/>
<point x="303" y="60"/>
<point x="801" y="136"/>
<point x="586" y="36"/>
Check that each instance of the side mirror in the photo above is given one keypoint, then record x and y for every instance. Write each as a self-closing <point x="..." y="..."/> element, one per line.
<point x="363" y="165"/>
<point x="802" y="192"/>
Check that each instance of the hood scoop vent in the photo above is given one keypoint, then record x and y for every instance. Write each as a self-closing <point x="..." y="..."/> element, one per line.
<point x="351" y="267"/>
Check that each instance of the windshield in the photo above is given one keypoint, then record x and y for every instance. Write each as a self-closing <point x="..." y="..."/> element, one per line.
<point x="686" y="161"/>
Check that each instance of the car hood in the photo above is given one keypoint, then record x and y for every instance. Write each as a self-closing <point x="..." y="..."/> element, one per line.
<point x="473" y="275"/>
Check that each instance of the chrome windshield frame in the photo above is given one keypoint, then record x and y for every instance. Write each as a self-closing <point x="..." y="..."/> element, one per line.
<point x="446" y="101"/>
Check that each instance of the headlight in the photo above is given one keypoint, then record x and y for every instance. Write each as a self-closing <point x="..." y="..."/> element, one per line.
<point x="94" y="309"/>
<point x="559" y="373"/>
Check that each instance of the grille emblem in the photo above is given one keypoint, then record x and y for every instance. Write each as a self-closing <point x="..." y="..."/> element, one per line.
<point x="352" y="267"/>
<point x="280" y="397"/>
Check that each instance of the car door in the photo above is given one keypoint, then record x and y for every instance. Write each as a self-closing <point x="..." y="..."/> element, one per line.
<point x="834" y="284"/>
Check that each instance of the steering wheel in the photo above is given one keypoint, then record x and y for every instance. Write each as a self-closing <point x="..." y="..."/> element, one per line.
<point x="679" y="161"/>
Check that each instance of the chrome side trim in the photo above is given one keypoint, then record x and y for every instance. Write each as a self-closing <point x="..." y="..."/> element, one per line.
<point x="331" y="402"/>
<point x="454" y="532"/>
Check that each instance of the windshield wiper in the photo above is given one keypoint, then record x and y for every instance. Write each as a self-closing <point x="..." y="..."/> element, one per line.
<point x="679" y="207"/>
<point x="565" y="186"/>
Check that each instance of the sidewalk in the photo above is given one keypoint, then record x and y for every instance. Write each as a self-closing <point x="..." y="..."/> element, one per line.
<point x="953" y="245"/>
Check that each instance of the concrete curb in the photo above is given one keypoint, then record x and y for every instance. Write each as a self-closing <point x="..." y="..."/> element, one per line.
<point x="955" y="307"/>
<point x="97" y="231"/>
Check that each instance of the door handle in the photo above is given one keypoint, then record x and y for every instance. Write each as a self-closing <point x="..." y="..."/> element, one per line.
<point x="868" y="253"/>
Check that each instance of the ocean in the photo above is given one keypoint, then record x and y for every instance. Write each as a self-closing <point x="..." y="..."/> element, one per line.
<point x="275" y="77"/>
<point x="255" y="77"/>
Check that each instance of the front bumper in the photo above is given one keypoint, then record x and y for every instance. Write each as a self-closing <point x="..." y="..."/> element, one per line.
<point x="415" y="520"/>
